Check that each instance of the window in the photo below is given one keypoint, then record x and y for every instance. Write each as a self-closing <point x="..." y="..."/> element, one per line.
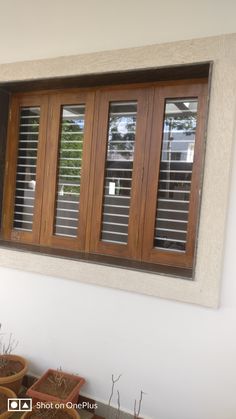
<point x="108" y="171"/>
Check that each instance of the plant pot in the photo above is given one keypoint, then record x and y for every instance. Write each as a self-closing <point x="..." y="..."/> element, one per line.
<point x="9" y="395"/>
<point x="45" y="389"/>
<point x="72" y="413"/>
<point x="14" y="380"/>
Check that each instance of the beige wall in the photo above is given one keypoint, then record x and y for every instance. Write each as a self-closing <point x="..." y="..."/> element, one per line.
<point x="31" y="29"/>
<point x="205" y="288"/>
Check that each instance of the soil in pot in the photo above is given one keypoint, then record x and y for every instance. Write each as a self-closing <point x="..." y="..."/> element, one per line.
<point x="61" y="389"/>
<point x="51" y="414"/>
<point x="5" y="394"/>
<point x="3" y="403"/>
<point x="10" y="368"/>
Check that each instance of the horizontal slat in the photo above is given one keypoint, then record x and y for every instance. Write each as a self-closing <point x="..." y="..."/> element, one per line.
<point x="174" y="181"/>
<point x="27" y="158"/>
<point x="115" y="215"/>
<point x="29" y="133"/>
<point x="109" y="151"/>
<point x="66" y="227"/>
<point x="176" y="161"/>
<point x="172" y="210"/>
<point x="72" y="133"/>
<point x="113" y="169"/>
<point x="70" y="176"/>
<point x="23" y="221"/>
<point x="29" y="116"/>
<point x="114" y="232"/>
<point x="23" y="229"/>
<point x="169" y="220"/>
<point x="23" y="205"/>
<point x="173" y="190"/>
<point x="170" y="229"/>
<point x="170" y="240"/>
<point x="76" y="185"/>
<point x="65" y="235"/>
<point x="69" y="158"/>
<point x="113" y="241"/>
<point x="119" y="141"/>
<point x="115" y="206"/>
<point x="120" y="161"/>
<point x="24" y="213"/>
<point x="178" y="141"/>
<point x="165" y="150"/>
<point x="175" y="171"/>
<point x="166" y="249"/>
<point x="115" y="224"/>
<point x="66" y="218"/>
<point x="24" y="197"/>
<point x="24" y="189"/>
<point x="117" y="196"/>
<point x="173" y="200"/>
<point x="124" y="114"/>
<point x="67" y="209"/>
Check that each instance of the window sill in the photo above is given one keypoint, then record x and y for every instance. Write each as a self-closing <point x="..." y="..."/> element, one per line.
<point x="108" y="261"/>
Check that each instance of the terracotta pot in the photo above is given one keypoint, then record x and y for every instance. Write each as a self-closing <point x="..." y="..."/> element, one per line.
<point x="37" y="395"/>
<point x="14" y="381"/>
<point x="10" y="395"/>
<point x="72" y="412"/>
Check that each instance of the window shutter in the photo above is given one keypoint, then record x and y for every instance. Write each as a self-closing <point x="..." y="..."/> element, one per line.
<point x="173" y="181"/>
<point x="66" y="191"/>
<point x="25" y="168"/>
<point x="120" y="142"/>
<point x="175" y="178"/>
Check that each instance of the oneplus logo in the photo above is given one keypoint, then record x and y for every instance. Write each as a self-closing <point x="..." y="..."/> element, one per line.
<point x="19" y="405"/>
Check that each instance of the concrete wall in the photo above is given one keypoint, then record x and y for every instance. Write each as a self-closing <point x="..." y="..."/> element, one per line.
<point x="182" y="356"/>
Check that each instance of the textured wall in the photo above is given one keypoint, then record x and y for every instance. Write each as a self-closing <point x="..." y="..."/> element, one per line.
<point x="43" y="29"/>
<point x="222" y="51"/>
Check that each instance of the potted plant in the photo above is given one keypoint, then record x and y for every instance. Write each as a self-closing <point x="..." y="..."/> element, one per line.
<point x="56" y="386"/>
<point x="5" y="394"/>
<point x="12" y="367"/>
<point x="52" y="413"/>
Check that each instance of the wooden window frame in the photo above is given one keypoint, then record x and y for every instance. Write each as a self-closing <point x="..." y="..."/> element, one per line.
<point x="132" y="249"/>
<point x="150" y="96"/>
<point x="149" y="253"/>
<point x="8" y="231"/>
<point x="48" y="210"/>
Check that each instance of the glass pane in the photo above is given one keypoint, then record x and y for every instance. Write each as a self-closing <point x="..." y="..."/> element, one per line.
<point x="176" y="165"/>
<point x="26" y="168"/>
<point x="69" y="170"/>
<point x="118" y="171"/>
